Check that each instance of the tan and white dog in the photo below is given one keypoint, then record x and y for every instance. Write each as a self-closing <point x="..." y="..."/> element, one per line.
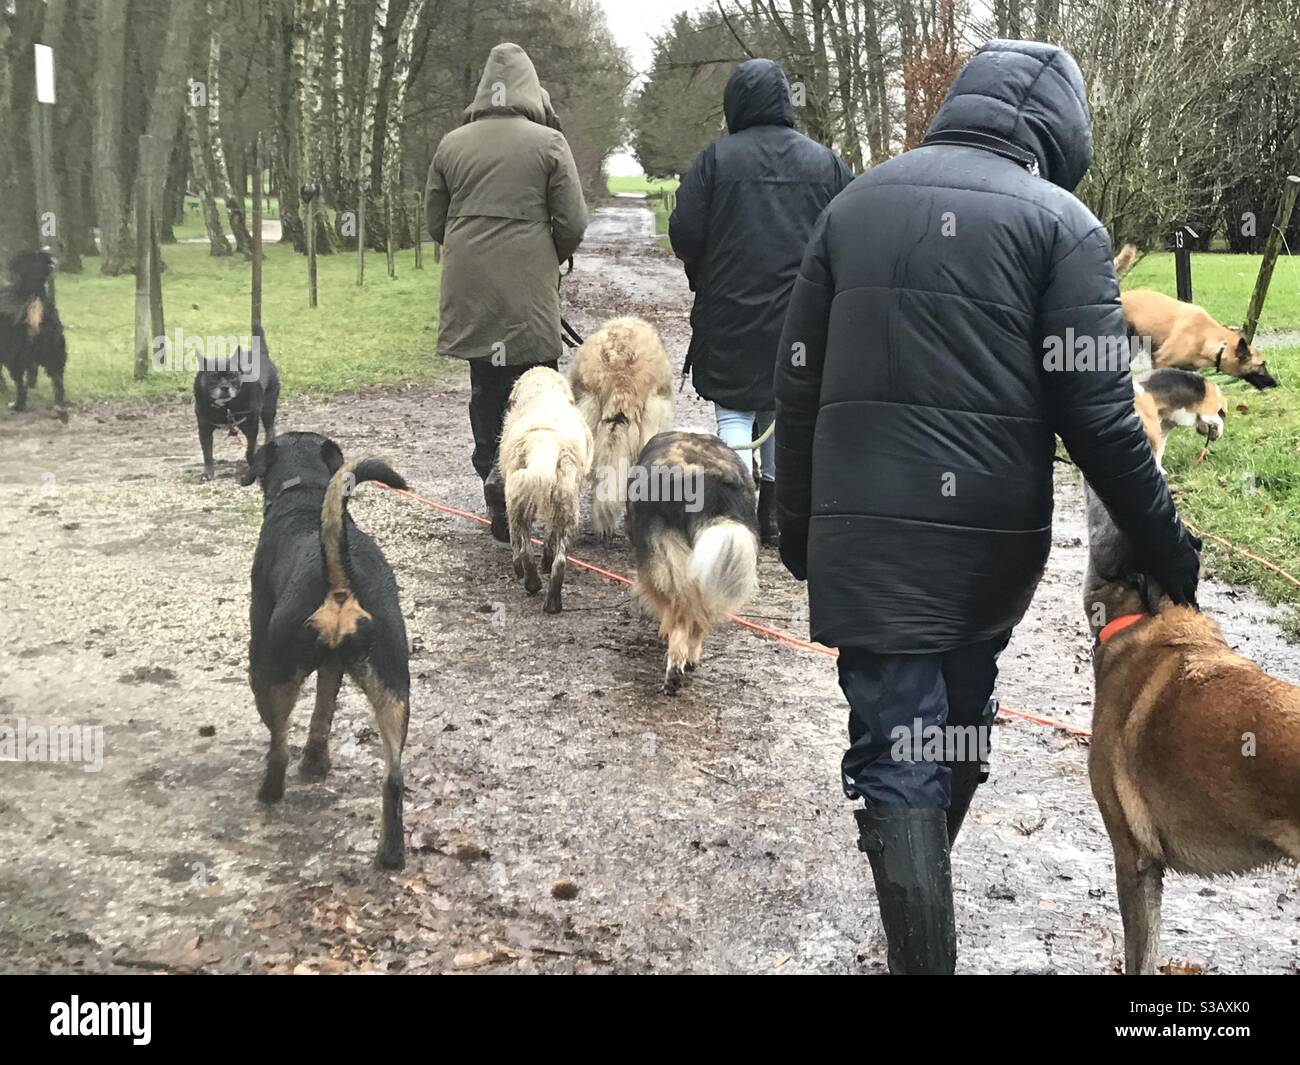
<point x="545" y="455"/>
<point x="1170" y="399"/>
<point x="623" y="386"/>
<point x="1195" y="751"/>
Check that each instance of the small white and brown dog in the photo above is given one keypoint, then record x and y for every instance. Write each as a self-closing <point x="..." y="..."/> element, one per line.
<point x="545" y="455"/>
<point x="1166" y="400"/>
<point x="623" y="386"/>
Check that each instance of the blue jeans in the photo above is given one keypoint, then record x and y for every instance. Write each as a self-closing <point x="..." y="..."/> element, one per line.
<point x="888" y="693"/>
<point x="744" y="427"/>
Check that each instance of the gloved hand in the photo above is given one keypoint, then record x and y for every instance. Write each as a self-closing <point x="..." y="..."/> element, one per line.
<point x="1180" y="573"/>
<point x="794" y="549"/>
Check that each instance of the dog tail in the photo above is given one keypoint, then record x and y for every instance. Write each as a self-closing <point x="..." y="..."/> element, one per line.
<point x="333" y="526"/>
<point x="724" y="565"/>
<point x="1124" y="261"/>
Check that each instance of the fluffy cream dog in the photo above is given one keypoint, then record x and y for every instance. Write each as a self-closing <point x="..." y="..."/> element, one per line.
<point x="545" y="455"/>
<point x="623" y="386"/>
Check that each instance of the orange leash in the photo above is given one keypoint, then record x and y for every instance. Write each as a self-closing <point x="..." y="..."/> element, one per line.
<point x="744" y="622"/>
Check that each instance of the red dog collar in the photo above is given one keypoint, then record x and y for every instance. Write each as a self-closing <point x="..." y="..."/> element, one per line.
<point x="1119" y="625"/>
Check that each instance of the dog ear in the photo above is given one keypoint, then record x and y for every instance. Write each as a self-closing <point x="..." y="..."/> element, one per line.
<point x="1243" y="350"/>
<point x="333" y="456"/>
<point x="262" y="459"/>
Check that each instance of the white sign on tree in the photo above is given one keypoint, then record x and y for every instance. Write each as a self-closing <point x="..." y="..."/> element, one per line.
<point x="44" y="73"/>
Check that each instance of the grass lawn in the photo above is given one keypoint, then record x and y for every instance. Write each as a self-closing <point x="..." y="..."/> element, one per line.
<point x="640" y="184"/>
<point x="1222" y="284"/>
<point x="1248" y="488"/>
<point x="660" y="194"/>
<point x="382" y="334"/>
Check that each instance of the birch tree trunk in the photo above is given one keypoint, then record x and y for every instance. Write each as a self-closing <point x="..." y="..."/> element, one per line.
<point x="364" y="160"/>
<point x="110" y="78"/>
<point x="196" y="125"/>
<point x="284" y="152"/>
<point x="343" y="184"/>
<point x="222" y="185"/>
<point x="309" y="55"/>
<point x="392" y="177"/>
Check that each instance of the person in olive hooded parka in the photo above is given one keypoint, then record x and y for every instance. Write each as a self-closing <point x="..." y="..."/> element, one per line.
<point x="917" y="407"/>
<point x="505" y="201"/>
<point x="743" y="215"/>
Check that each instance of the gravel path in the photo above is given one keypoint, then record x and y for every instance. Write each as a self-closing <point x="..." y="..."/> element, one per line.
<point x="700" y="833"/>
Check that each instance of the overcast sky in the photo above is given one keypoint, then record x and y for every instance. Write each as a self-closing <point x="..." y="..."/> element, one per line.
<point x="634" y="23"/>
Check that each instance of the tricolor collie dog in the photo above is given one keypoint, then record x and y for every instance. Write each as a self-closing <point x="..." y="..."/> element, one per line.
<point x="31" y="335"/>
<point x="690" y="517"/>
<point x="623" y="386"/>
<point x="545" y="455"/>
<point x="1184" y="336"/>
<point x="1170" y="399"/>
<point x="325" y="602"/>
<point x="1195" y="752"/>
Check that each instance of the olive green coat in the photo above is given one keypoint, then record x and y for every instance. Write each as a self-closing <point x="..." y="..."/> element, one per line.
<point x="505" y="202"/>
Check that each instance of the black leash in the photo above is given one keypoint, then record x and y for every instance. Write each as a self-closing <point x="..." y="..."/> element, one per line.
<point x="570" y="336"/>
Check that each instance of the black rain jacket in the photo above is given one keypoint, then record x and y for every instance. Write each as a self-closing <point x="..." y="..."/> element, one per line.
<point x="743" y="215"/>
<point x="924" y="370"/>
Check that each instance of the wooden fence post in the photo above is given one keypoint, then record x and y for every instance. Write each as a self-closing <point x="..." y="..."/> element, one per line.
<point x="149" y="325"/>
<point x="361" y="239"/>
<point x="1271" y="250"/>
<point x="1183" y="264"/>
<point x="257" y="231"/>
<point x="419" y="232"/>
<point x="308" y="193"/>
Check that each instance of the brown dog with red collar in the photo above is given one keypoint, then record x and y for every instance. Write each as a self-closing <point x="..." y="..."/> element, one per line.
<point x="1195" y="755"/>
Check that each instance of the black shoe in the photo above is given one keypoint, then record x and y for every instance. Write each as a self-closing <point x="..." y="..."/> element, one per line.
<point x="908" y="850"/>
<point x="768" y="532"/>
<point x="494" y="495"/>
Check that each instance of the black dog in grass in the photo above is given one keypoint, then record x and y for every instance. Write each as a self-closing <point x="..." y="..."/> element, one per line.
<point x="31" y="335"/>
<point x="325" y="601"/>
<point x="236" y="392"/>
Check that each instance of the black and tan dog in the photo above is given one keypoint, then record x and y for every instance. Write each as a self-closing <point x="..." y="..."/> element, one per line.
<point x="691" y="520"/>
<point x="236" y="392"/>
<point x="31" y="335"/>
<point x="1195" y="753"/>
<point x="324" y="601"/>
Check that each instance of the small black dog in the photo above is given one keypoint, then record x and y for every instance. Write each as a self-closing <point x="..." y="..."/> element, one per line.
<point x="31" y="335"/>
<point x="325" y="601"/>
<point x="236" y="392"/>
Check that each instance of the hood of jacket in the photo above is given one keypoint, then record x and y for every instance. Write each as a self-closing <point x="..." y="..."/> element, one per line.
<point x="1024" y="100"/>
<point x="509" y="86"/>
<point x="757" y="94"/>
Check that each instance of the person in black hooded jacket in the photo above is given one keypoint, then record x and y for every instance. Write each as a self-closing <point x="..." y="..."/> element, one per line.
<point x="742" y="219"/>
<point x="920" y="387"/>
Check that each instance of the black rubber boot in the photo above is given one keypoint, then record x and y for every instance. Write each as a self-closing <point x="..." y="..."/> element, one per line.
<point x="909" y="861"/>
<point x="494" y="495"/>
<point x="966" y="777"/>
<point x="767" y="528"/>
